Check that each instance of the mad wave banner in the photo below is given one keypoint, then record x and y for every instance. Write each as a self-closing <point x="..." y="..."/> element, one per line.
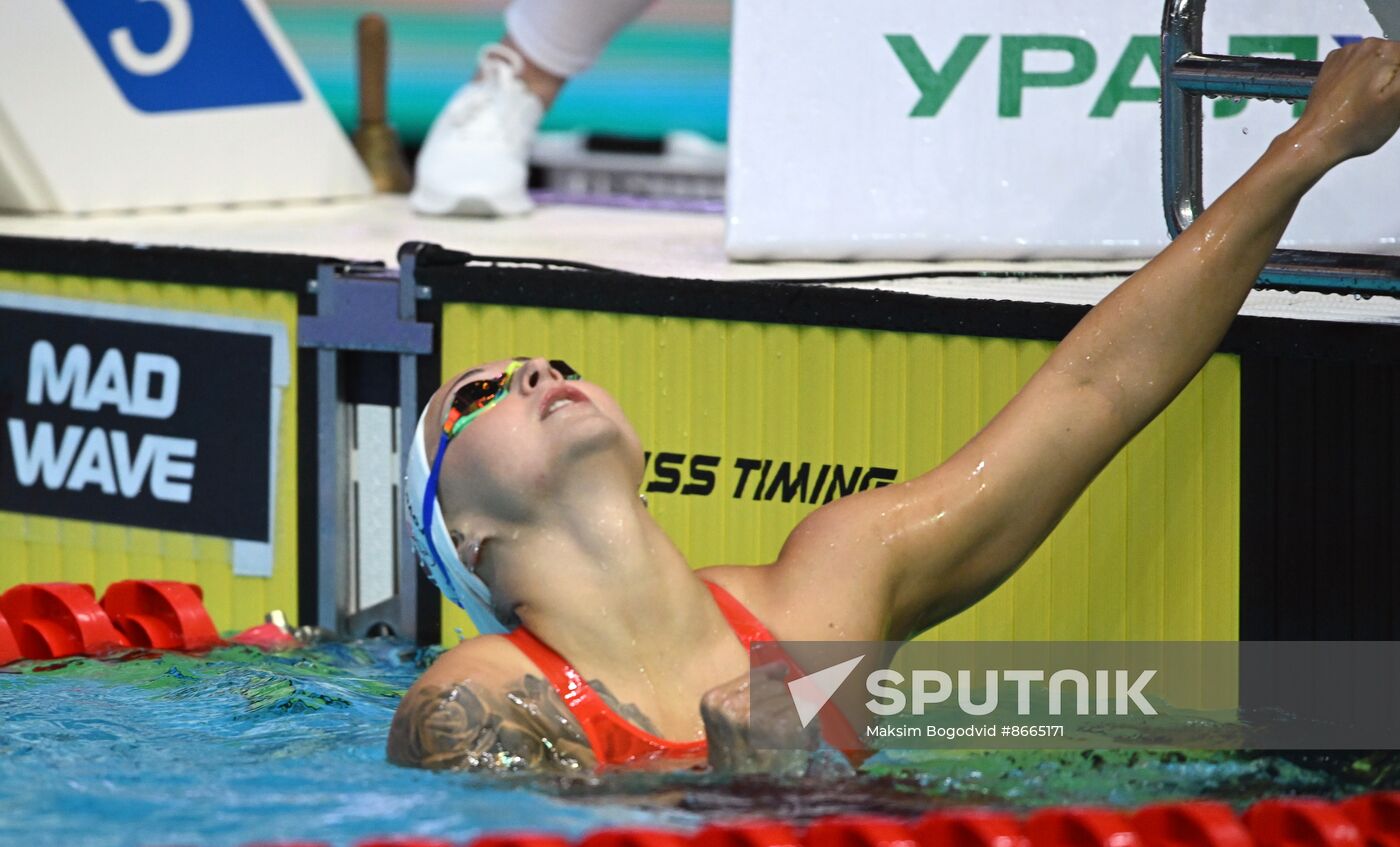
<point x="141" y="417"/>
<point x="1216" y="695"/>
<point x="1006" y="129"/>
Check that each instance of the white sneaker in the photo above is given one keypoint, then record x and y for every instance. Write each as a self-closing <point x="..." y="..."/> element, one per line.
<point x="475" y="158"/>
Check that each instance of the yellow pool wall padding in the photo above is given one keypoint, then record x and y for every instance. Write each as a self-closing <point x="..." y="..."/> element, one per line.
<point x="36" y="548"/>
<point x="1150" y="552"/>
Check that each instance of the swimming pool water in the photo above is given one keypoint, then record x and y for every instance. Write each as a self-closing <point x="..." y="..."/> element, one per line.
<point x="238" y="746"/>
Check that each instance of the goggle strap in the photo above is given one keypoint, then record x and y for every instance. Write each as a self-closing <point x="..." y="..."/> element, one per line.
<point x="430" y="501"/>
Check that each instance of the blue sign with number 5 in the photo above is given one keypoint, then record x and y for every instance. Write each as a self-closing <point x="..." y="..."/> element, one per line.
<point x="181" y="55"/>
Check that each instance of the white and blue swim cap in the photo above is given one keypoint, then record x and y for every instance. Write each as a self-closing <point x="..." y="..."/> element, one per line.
<point x="431" y="539"/>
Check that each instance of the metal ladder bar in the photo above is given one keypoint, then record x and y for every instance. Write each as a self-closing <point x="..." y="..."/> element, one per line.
<point x="371" y="310"/>
<point x="1187" y="76"/>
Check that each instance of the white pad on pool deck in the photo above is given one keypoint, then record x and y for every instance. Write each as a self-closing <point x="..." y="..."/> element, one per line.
<point x="134" y="105"/>
<point x="1005" y="129"/>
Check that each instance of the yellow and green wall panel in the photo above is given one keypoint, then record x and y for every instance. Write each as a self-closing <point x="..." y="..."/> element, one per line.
<point x="173" y="285"/>
<point x="750" y="426"/>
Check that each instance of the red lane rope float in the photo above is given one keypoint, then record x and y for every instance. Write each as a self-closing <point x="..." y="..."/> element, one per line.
<point x="1199" y="824"/>
<point x="54" y="620"/>
<point x="747" y="834"/>
<point x="860" y="831"/>
<point x="521" y="839"/>
<point x="1377" y="816"/>
<point x="1365" y="821"/>
<point x="1301" y="823"/>
<point x="267" y="636"/>
<point x="161" y="614"/>
<point x="518" y="840"/>
<point x="1081" y="828"/>
<point x="9" y="648"/>
<point x="970" y="828"/>
<point x="635" y="837"/>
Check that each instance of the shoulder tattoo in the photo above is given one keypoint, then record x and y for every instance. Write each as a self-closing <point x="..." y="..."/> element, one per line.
<point x="468" y="727"/>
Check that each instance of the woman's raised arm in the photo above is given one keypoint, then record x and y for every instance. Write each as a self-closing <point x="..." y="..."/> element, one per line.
<point x="935" y="545"/>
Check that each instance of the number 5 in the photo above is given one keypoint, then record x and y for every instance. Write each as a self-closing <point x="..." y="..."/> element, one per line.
<point x="169" y="54"/>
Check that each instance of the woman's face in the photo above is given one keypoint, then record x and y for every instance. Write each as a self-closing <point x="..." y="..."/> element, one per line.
<point x="515" y="456"/>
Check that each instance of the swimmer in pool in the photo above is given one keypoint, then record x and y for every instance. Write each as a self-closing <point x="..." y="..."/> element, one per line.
<point x="603" y="647"/>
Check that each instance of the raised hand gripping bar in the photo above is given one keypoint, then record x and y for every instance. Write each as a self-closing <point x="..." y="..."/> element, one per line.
<point x="1189" y="75"/>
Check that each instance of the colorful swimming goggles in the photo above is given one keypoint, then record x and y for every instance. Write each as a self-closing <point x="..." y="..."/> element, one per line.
<point x="472" y="398"/>
<point x="470" y="401"/>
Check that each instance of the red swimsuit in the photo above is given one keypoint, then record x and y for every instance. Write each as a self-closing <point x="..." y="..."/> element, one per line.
<point x="614" y="740"/>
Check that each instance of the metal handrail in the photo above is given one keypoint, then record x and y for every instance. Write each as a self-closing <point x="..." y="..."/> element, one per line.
<point x="1187" y="76"/>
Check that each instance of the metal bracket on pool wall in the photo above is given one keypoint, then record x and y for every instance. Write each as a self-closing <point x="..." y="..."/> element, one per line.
<point x="1189" y="75"/>
<point x="367" y="340"/>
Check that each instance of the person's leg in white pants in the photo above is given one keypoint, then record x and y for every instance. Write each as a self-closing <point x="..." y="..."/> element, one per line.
<point x="474" y="160"/>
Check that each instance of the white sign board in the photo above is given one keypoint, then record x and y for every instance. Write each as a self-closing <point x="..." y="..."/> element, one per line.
<point x="1005" y="128"/>
<point x="127" y="104"/>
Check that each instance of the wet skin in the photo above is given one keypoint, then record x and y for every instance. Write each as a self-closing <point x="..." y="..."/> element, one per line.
<point x="550" y="503"/>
